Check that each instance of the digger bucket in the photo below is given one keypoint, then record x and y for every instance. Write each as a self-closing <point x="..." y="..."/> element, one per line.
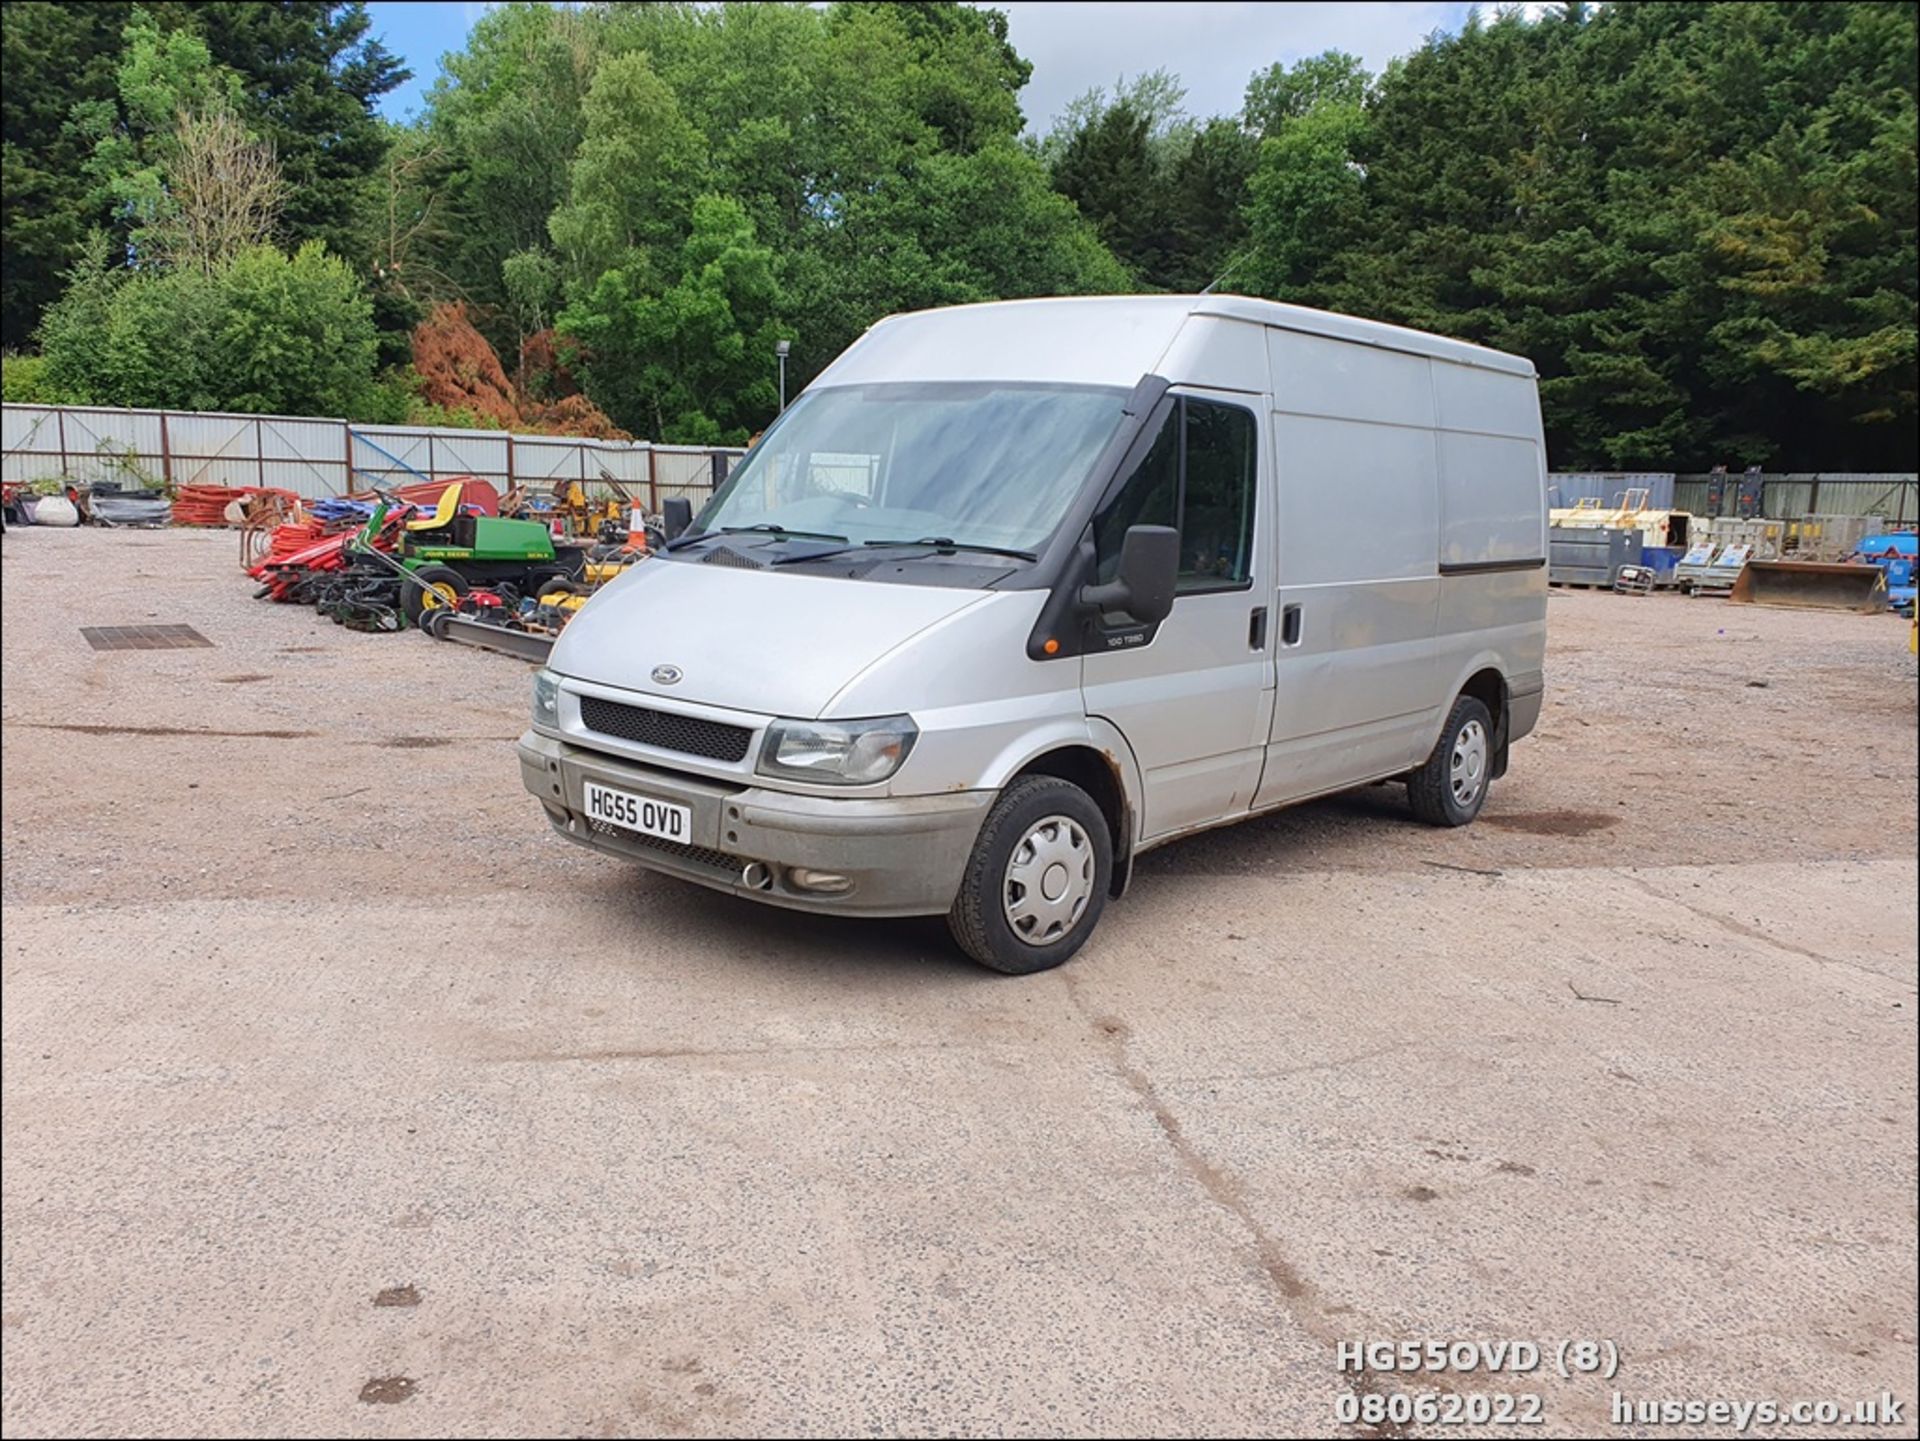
<point x="1810" y="585"/>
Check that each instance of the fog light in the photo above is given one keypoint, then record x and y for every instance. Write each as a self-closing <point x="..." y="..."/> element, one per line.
<point x="825" y="882"/>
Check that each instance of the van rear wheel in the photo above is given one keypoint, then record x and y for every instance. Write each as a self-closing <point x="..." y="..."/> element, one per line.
<point x="1450" y="788"/>
<point x="1037" y="880"/>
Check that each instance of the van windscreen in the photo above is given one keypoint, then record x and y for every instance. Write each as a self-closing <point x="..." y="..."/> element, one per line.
<point x="980" y="464"/>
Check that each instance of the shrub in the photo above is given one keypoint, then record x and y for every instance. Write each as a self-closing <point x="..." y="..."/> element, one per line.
<point x="265" y="332"/>
<point x="23" y="381"/>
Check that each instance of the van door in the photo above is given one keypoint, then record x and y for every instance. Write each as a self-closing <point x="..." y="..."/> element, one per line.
<point x="1355" y="604"/>
<point x="1193" y="694"/>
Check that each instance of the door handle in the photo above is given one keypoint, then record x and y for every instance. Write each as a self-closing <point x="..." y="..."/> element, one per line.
<point x="1290" y="625"/>
<point x="1257" y="629"/>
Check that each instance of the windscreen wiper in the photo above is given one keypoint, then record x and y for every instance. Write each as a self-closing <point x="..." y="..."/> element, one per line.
<point x="941" y="542"/>
<point x="937" y="543"/>
<point x="778" y="532"/>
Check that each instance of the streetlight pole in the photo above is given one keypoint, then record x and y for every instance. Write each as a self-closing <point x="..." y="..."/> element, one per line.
<point x="780" y="348"/>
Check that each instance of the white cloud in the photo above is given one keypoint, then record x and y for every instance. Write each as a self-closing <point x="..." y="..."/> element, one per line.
<point x="1213" y="48"/>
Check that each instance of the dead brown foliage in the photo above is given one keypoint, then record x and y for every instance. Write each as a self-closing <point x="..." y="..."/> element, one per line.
<point x="459" y="370"/>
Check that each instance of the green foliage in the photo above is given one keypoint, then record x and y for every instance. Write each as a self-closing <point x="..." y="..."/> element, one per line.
<point x="162" y="75"/>
<point x="1281" y="94"/>
<point x="309" y="77"/>
<point x="1698" y="220"/>
<point x="633" y="179"/>
<point x="92" y="94"/>
<point x="687" y="364"/>
<point x="23" y="381"/>
<point x="265" y="332"/>
<point x="1206" y="222"/>
<point x="73" y="334"/>
<point x="54" y="56"/>
<point x="1107" y="170"/>
<point x="1304" y="200"/>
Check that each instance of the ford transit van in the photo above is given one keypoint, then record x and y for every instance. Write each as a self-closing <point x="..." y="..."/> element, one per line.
<point x="1016" y="592"/>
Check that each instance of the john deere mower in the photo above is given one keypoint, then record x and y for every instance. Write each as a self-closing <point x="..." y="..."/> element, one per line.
<point x="437" y="560"/>
<point x="449" y="554"/>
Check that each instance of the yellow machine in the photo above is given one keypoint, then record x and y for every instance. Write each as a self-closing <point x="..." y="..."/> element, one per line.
<point x="570" y="509"/>
<point x="1629" y="511"/>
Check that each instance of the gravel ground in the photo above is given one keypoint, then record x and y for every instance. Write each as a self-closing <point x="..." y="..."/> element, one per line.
<point x="304" y="1004"/>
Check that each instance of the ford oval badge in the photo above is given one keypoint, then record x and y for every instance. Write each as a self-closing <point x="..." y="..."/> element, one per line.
<point x="666" y="675"/>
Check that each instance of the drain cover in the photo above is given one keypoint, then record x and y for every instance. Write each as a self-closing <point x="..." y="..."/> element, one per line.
<point x="143" y="637"/>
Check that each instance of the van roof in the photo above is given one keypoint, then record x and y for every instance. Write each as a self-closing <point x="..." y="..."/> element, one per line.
<point x="1110" y="339"/>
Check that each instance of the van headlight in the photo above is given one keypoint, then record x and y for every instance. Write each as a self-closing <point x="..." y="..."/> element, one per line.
<point x="837" y="753"/>
<point x="546" y="699"/>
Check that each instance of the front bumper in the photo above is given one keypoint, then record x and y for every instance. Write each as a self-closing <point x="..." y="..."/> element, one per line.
<point x="902" y="855"/>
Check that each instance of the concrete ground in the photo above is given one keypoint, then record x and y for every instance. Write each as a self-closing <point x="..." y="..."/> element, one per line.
<point x="307" y="1012"/>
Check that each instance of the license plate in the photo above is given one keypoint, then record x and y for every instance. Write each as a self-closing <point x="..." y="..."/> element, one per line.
<point x="662" y="820"/>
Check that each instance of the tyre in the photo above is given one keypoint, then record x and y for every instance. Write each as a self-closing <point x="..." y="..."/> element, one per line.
<point x="439" y="585"/>
<point x="1452" y="786"/>
<point x="1037" y="880"/>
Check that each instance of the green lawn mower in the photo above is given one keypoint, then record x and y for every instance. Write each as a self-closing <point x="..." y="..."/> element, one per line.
<point x="444" y="557"/>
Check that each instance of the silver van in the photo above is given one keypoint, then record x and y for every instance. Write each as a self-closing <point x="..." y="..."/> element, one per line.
<point x="1015" y="592"/>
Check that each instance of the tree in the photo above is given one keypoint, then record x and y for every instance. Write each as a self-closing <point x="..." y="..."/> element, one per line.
<point x="261" y="331"/>
<point x="634" y="177"/>
<point x="505" y="118"/>
<point x="1206" y="220"/>
<point x="162" y="76"/>
<point x="223" y="190"/>
<point x="73" y="332"/>
<point x="1156" y="97"/>
<point x="1282" y="93"/>
<point x="688" y="363"/>
<point x="1304" y="200"/>
<point x="1699" y="221"/>
<point x="310" y="76"/>
<point x="54" y="56"/>
<point x="1107" y="171"/>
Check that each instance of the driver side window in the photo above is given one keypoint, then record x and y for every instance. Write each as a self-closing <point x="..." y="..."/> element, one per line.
<point x="1197" y="476"/>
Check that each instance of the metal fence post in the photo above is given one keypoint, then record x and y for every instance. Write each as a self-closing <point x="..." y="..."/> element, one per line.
<point x="60" y="419"/>
<point x="166" y="454"/>
<point x="653" y="481"/>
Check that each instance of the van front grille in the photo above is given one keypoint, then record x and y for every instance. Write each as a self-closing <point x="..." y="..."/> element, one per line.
<point x="690" y="735"/>
<point x="696" y="855"/>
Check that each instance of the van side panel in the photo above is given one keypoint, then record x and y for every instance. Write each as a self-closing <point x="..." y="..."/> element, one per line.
<point x="1492" y="513"/>
<point x="1358" y="510"/>
<point x="1217" y="354"/>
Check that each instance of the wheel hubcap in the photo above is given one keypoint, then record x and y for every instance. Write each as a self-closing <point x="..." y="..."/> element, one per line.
<point x="1049" y="880"/>
<point x="1467" y="771"/>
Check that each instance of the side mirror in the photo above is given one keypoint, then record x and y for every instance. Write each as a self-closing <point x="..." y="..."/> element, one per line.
<point x="1149" y="566"/>
<point x="676" y="514"/>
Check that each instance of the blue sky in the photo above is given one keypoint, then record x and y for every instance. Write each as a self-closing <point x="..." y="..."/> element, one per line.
<point x="1213" y="48"/>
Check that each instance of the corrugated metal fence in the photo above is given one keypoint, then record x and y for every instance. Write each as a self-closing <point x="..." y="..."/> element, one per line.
<point x="1569" y="487"/>
<point x="1783" y="495"/>
<point x="317" y="458"/>
<point x="1787" y="495"/>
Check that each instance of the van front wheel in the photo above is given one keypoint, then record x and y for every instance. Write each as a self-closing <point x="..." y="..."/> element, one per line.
<point x="1037" y="880"/>
<point x="1452" y="786"/>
